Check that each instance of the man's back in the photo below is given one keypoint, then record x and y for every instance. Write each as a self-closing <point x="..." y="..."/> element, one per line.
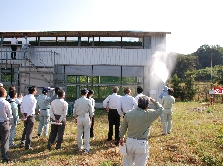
<point x="168" y="101"/>
<point x="112" y="100"/>
<point x="43" y="101"/>
<point x="139" y="121"/>
<point x="137" y="97"/>
<point x="28" y="103"/>
<point x="82" y="106"/>
<point x="14" y="41"/>
<point x="126" y="103"/>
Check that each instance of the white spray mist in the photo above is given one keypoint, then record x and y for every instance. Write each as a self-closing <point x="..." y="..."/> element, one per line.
<point x="161" y="68"/>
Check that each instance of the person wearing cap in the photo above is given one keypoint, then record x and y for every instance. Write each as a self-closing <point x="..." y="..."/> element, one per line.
<point x="43" y="102"/>
<point x="137" y="123"/>
<point x="28" y="107"/>
<point x="83" y="113"/>
<point x="1" y="85"/>
<point x="58" y="112"/>
<point x="111" y="105"/>
<point x="167" y="103"/>
<point x="5" y="116"/>
<point x="126" y="102"/>
<point x="140" y="93"/>
<point x="164" y="92"/>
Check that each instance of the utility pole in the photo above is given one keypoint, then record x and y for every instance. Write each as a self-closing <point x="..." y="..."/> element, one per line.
<point x="211" y="65"/>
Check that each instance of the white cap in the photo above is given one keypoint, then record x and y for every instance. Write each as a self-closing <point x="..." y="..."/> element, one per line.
<point x="1" y="85"/>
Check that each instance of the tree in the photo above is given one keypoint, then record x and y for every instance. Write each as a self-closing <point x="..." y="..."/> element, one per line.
<point x="190" y="87"/>
<point x="176" y="85"/>
<point x="184" y="63"/>
<point x="207" y="53"/>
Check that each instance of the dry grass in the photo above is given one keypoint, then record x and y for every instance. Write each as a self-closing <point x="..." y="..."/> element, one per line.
<point x="196" y="139"/>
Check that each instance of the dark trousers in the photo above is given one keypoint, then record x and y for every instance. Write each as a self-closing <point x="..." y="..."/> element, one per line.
<point x="57" y="129"/>
<point x="28" y="132"/>
<point x="113" y="119"/>
<point x="91" y="129"/>
<point x="14" y="48"/>
<point x="4" y="133"/>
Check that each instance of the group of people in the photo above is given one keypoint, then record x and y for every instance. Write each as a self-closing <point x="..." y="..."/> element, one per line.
<point x="137" y="118"/>
<point x="28" y="104"/>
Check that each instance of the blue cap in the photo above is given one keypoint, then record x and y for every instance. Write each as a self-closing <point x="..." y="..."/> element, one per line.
<point x="84" y="91"/>
<point x="46" y="89"/>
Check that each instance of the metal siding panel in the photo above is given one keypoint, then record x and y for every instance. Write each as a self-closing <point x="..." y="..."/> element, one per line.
<point x="126" y="57"/>
<point x="111" y="56"/>
<point x="81" y="55"/>
<point x="135" y="57"/>
<point x="78" y="70"/>
<point x="129" y="57"/>
<point x="89" y="56"/>
<point x="114" y="57"/>
<point x="121" y="57"/>
<point x="107" y="71"/>
<point x="96" y="56"/>
<point x="132" y="71"/>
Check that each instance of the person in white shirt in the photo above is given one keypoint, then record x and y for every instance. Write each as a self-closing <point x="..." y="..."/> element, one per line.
<point x="83" y="113"/>
<point x="58" y="112"/>
<point x="28" y="107"/>
<point x="14" y="43"/>
<point x="126" y="102"/>
<point x="25" y="43"/>
<point x="111" y="105"/>
<point x="5" y="116"/>
<point x="140" y="93"/>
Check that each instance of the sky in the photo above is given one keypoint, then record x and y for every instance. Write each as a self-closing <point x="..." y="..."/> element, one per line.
<point x="192" y="23"/>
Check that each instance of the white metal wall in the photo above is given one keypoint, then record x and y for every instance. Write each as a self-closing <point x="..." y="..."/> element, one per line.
<point x="50" y="56"/>
<point x="93" y="56"/>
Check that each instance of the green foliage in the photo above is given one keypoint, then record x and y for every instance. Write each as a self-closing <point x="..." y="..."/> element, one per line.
<point x="176" y="84"/>
<point x="210" y="160"/>
<point x="210" y="109"/>
<point x="184" y="63"/>
<point x="205" y="53"/>
<point x="106" y="163"/>
<point x="190" y="88"/>
<point x="186" y="92"/>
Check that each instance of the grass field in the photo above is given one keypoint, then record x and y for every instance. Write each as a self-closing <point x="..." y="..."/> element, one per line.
<point x="196" y="139"/>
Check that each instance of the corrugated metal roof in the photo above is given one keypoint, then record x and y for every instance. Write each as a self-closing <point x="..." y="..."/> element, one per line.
<point x="81" y="34"/>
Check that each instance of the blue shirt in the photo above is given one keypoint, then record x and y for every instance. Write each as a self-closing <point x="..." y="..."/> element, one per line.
<point x="14" y="107"/>
<point x="43" y="101"/>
